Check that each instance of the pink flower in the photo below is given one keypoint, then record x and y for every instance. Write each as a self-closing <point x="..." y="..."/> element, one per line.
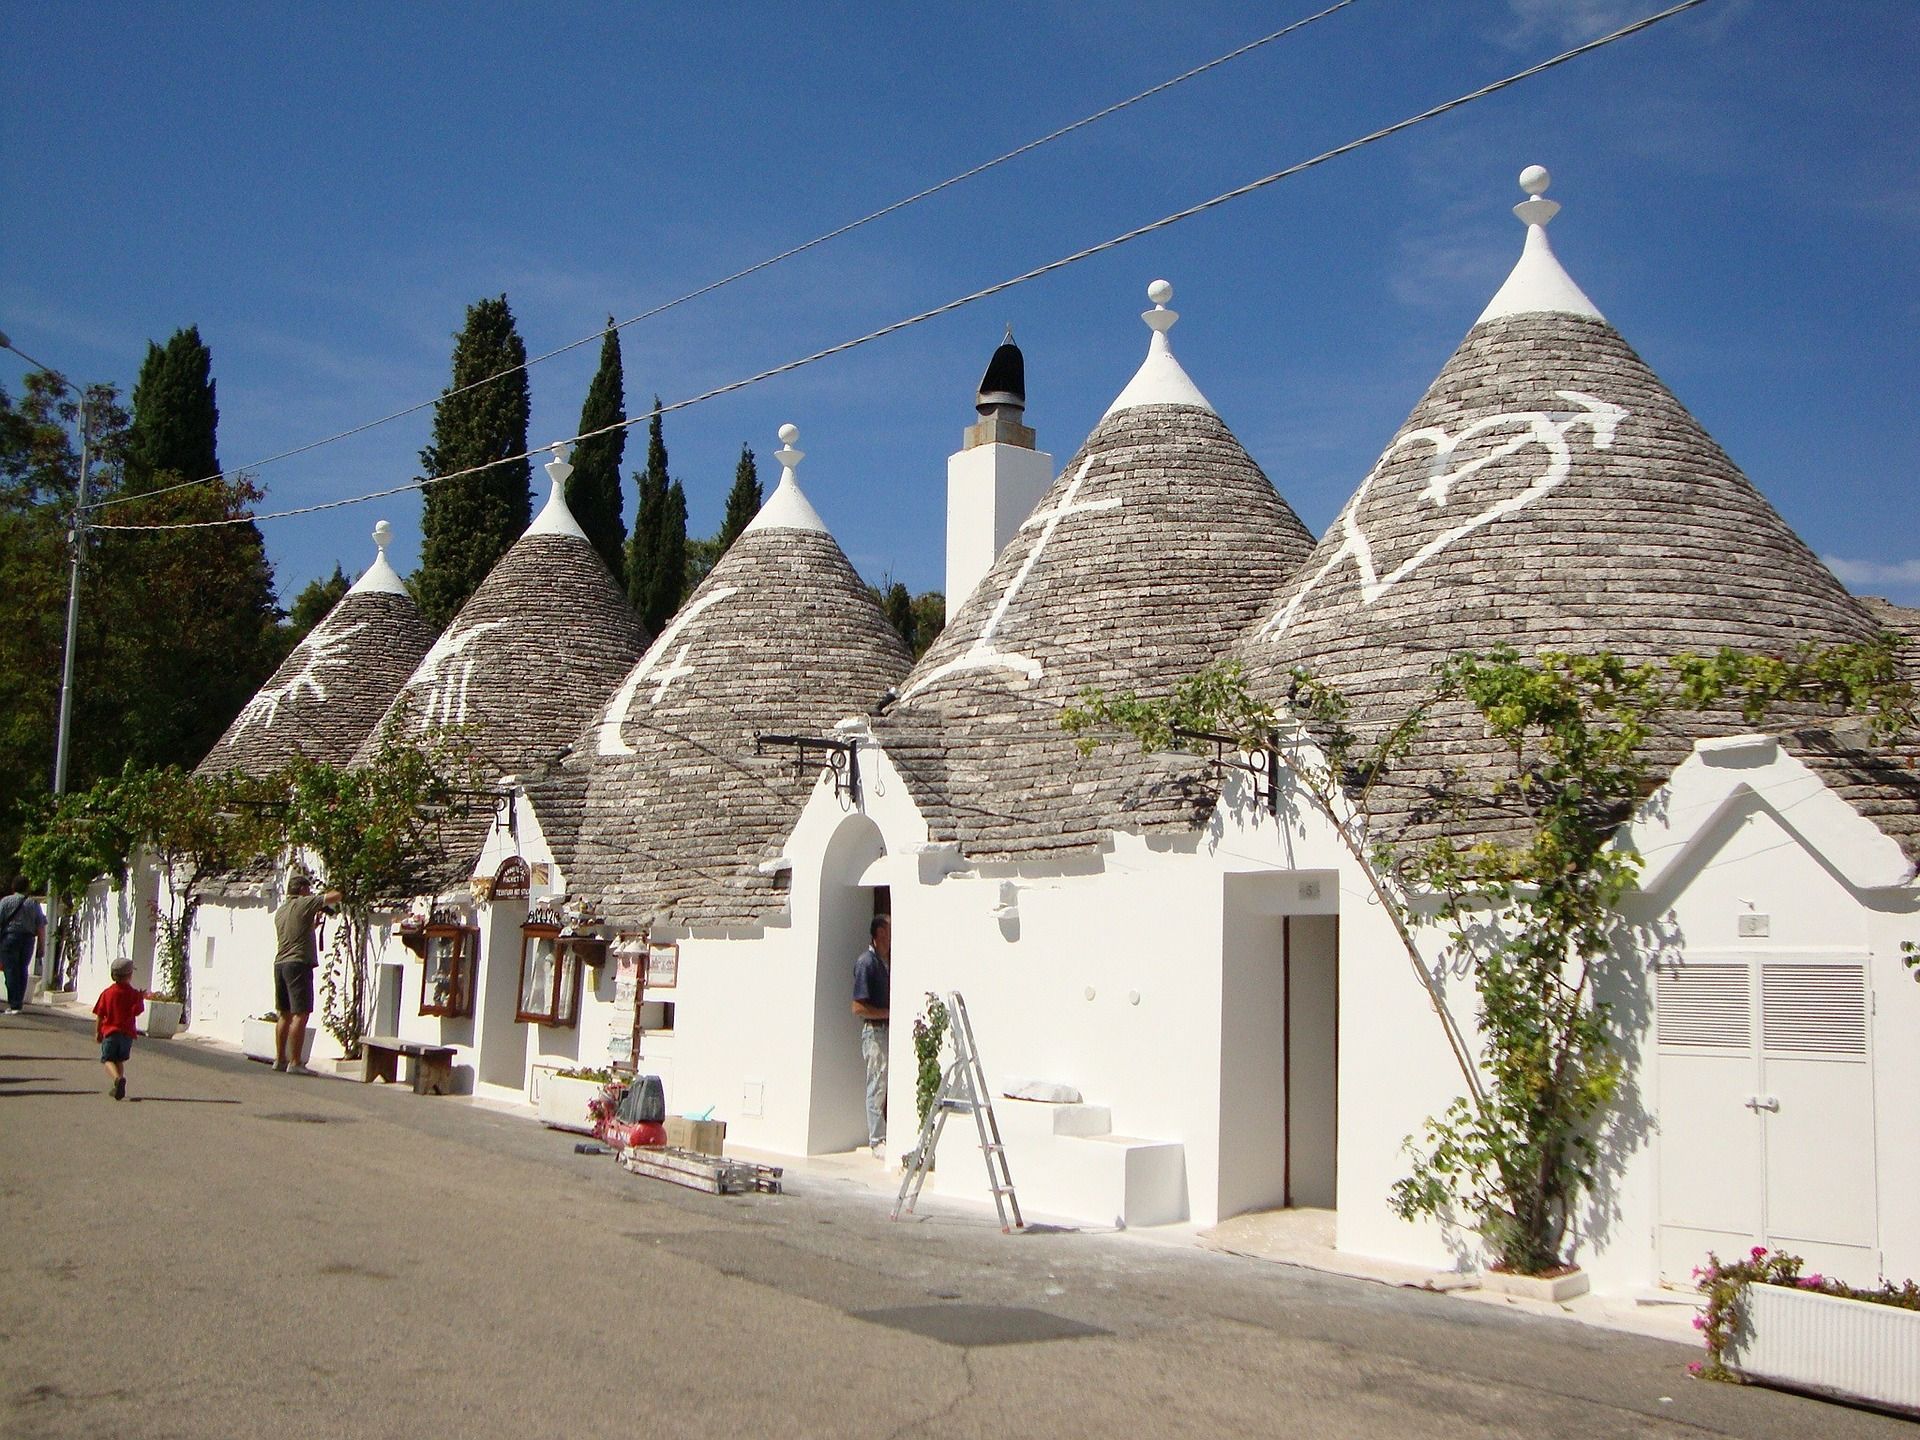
<point x="1695" y="1367"/>
<point x="1699" y="1322"/>
<point x="1759" y="1252"/>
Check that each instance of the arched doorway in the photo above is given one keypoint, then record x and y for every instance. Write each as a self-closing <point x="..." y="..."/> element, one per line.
<point x="837" y="1118"/>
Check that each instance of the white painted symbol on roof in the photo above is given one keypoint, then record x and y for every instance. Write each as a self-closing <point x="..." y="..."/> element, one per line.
<point x="1548" y="431"/>
<point x="610" y="741"/>
<point x="323" y="653"/>
<point x="446" y="675"/>
<point x="982" y="653"/>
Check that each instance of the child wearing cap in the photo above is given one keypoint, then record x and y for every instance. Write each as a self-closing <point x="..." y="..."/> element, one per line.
<point x="116" y="1010"/>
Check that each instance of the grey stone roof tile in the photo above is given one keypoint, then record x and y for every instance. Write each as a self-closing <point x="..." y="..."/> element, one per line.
<point x="680" y="813"/>
<point x="1154" y="547"/>
<point x="1548" y="492"/>
<point x="328" y="694"/>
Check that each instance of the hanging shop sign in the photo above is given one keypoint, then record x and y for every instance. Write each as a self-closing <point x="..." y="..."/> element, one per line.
<point x="512" y="881"/>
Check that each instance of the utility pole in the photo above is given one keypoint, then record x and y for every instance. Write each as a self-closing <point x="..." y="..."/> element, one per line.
<point x="77" y="543"/>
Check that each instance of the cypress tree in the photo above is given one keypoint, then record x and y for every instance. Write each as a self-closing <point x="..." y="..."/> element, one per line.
<point x="670" y="575"/>
<point x="743" y="500"/>
<point x="472" y="521"/>
<point x="193" y="629"/>
<point x="175" y="416"/>
<point x="593" y="490"/>
<point x="657" y="553"/>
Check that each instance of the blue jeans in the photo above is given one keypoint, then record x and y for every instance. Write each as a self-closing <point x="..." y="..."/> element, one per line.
<point x="16" y="951"/>
<point x="873" y="1049"/>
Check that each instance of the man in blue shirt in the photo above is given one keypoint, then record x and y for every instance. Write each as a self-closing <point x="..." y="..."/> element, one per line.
<point x="872" y="996"/>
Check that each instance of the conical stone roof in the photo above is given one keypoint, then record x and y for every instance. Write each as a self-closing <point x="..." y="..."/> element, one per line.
<point x="530" y="657"/>
<point x="681" y="817"/>
<point x="1550" y="493"/>
<point x="1152" y="550"/>
<point x="329" y="693"/>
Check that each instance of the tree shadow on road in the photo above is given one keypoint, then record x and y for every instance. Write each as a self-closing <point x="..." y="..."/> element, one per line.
<point x="53" y="1059"/>
<point x="177" y="1100"/>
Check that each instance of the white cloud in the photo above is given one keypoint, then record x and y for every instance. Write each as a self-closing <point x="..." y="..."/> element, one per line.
<point x="1874" y="572"/>
<point x="1570" y="21"/>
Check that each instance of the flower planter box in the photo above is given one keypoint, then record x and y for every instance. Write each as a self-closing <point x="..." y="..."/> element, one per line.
<point x="256" y="1038"/>
<point x="1550" y="1288"/>
<point x="1847" y="1349"/>
<point x="563" y="1103"/>
<point x="161" y="1019"/>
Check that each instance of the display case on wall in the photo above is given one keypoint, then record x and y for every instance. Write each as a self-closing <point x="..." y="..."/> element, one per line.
<point x="551" y="963"/>
<point x="449" y="956"/>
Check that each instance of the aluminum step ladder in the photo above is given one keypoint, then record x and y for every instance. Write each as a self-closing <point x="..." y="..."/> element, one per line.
<point x="963" y="1091"/>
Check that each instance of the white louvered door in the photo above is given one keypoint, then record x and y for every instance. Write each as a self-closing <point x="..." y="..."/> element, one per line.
<point x="1766" y="1114"/>
<point x="1820" y="1162"/>
<point x="1711" y="1163"/>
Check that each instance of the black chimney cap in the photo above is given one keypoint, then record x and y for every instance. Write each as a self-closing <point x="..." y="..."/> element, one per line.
<point x="1005" y="383"/>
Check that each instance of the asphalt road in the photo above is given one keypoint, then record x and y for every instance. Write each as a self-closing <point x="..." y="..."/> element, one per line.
<point x="238" y="1253"/>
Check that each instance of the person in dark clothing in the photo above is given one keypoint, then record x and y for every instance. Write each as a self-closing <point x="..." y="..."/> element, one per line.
<point x="294" y="962"/>
<point x="23" y="938"/>
<point x="872" y="1002"/>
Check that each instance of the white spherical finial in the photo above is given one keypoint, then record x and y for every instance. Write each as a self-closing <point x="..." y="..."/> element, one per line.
<point x="1536" y="209"/>
<point x="789" y="455"/>
<point x="557" y="468"/>
<point x="1161" y="317"/>
<point x="383" y="535"/>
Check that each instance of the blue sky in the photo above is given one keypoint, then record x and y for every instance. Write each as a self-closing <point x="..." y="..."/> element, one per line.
<point x="324" y="189"/>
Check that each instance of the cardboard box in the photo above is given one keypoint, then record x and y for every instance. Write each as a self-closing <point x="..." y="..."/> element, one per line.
<point x="703" y="1137"/>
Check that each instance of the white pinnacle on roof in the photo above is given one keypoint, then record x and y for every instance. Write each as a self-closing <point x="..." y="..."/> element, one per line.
<point x="1538" y="283"/>
<point x="787" y="508"/>
<point x="555" y="518"/>
<point x="380" y="577"/>
<point x="1159" y="380"/>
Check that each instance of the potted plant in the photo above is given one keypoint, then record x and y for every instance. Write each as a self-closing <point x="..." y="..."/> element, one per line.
<point x="1767" y="1322"/>
<point x="566" y="1097"/>
<point x="257" y="1038"/>
<point x="161" y="1019"/>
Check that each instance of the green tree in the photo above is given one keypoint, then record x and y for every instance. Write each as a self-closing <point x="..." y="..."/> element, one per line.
<point x="594" y="488"/>
<point x="743" y="500"/>
<point x="471" y="521"/>
<point x="929" y="619"/>
<point x="897" y="605"/>
<point x="375" y="830"/>
<point x="191" y="618"/>
<point x="657" y="554"/>
<point x="175" y="417"/>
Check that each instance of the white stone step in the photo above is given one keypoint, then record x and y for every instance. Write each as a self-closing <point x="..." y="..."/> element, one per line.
<point x="1066" y="1162"/>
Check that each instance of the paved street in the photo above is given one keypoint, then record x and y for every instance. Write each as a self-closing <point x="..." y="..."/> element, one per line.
<point x="236" y="1253"/>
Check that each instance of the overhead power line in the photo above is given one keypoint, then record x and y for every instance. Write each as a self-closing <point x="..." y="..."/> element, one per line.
<point x="771" y="260"/>
<point x="1238" y="192"/>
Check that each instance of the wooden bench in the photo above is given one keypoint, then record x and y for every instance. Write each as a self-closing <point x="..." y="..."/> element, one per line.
<point x="432" y="1064"/>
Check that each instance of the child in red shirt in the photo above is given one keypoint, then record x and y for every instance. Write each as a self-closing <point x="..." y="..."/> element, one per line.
<point x="118" y="1007"/>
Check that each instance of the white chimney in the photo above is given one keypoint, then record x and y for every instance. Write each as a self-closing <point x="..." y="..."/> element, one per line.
<point x="996" y="477"/>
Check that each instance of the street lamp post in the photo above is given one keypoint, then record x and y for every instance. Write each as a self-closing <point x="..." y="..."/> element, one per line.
<point x="77" y="543"/>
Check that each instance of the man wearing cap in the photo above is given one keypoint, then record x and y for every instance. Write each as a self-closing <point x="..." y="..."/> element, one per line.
<point x="293" y="966"/>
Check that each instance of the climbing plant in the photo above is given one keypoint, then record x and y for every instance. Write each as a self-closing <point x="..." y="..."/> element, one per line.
<point x="929" y="1030"/>
<point x="376" y="830"/>
<point x="1514" y="1154"/>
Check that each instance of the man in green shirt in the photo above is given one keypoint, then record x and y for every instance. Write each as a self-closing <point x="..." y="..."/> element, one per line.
<point x="293" y="966"/>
